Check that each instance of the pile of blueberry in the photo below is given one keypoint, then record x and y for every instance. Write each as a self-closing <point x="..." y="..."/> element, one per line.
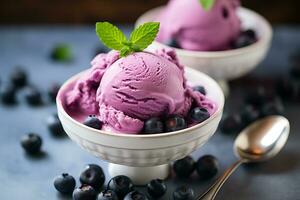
<point x="245" y="38"/>
<point x="157" y="125"/>
<point x="19" y="80"/>
<point x="121" y="187"/>
<point x="257" y="104"/>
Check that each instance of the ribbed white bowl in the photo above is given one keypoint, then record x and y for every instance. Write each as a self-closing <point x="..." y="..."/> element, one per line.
<point x="142" y="151"/>
<point x="229" y="64"/>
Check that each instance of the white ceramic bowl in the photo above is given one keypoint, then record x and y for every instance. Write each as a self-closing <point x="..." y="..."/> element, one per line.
<point x="229" y="64"/>
<point x="144" y="157"/>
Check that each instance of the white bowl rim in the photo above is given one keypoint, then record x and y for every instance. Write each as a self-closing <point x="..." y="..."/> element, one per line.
<point x="265" y="38"/>
<point x="158" y="135"/>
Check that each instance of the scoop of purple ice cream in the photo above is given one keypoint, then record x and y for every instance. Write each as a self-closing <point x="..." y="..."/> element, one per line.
<point x="124" y="92"/>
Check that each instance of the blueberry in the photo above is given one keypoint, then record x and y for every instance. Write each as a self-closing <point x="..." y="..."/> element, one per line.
<point x="153" y="125"/>
<point x="8" y="94"/>
<point x="249" y="114"/>
<point x="52" y="91"/>
<point x="31" y="143"/>
<point x="272" y="108"/>
<point x="93" y="175"/>
<point x="207" y="167"/>
<point x="65" y="183"/>
<point x="135" y="195"/>
<point x="18" y="78"/>
<point x="122" y="185"/>
<point x="199" y="114"/>
<point x="84" y="192"/>
<point x="288" y="88"/>
<point x="184" y="167"/>
<point x="250" y="33"/>
<point x="33" y="96"/>
<point x="175" y="123"/>
<point x="183" y="193"/>
<point x="172" y="43"/>
<point x="200" y="89"/>
<point x="93" y="122"/>
<point x="62" y="53"/>
<point x="54" y="125"/>
<point x="231" y="124"/>
<point x="107" y="195"/>
<point x="245" y="39"/>
<point x="156" y="188"/>
<point x="256" y="97"/>
<point x="295" y="72"/>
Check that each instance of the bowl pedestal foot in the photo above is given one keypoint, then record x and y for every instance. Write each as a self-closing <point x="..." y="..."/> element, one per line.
<point x="140" y="175"/>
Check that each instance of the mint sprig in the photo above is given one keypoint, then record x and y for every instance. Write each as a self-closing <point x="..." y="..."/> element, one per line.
<point x="207" y="4"/>
<point x="114" y="38"/>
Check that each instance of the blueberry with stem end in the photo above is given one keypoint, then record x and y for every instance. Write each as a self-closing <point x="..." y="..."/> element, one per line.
<point x="153" y="125"/>
<point x="65" y="183"/>
<point x="156" y="188"/>
<point x="207" y="166"/>
<point x="184" y="167"/>
<point x="183" y="193"/>
<point x="85" y="192"/>
<point x="31" y="143"/>
<point x="93" y="175"/>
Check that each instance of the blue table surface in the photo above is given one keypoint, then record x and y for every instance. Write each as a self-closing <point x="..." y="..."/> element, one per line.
<point x="25" y="177"/>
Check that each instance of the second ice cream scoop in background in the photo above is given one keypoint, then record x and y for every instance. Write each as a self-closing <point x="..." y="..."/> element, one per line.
<point x="194" y="28"/>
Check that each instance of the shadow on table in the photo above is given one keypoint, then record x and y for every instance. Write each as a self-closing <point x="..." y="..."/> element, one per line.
<point x="284" y="162"/>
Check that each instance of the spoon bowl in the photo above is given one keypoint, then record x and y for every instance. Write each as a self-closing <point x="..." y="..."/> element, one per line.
<point x="263" y="139"/>
<point x="258" y="142"/>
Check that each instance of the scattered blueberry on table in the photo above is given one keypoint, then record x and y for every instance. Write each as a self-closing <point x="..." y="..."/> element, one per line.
<point x="122" y="185"/>
<point x="183" y="193"/>
<point x="156" y="188"/>
<point x="134" y="195"/>
<point x="8" y="94"/>
<point x="53" y="90"/>
<point x="84" y="192"/>
<point x="19" y="77"/>
<point x="93" y="175"/>
<point x="54" y="125"/>
<point x="65" y="183"/>
<point x="33" y="96"/>
<point x="32" y="143"/>
<point x="184" y="167"/>
<point x="207" y="167"/>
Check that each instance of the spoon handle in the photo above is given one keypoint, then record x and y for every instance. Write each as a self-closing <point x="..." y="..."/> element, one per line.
<point x="211" y="193"/>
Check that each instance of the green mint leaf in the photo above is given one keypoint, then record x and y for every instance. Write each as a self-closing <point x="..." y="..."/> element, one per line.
<point x="144" y="35"/>
<point x="207" y="4"/>
<point x="110" y="35"/>
<point x="126" y="51"/>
